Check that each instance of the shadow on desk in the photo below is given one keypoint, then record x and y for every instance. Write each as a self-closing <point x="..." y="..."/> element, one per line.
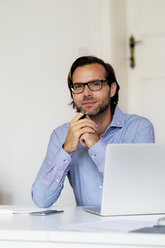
<point x="154" y="229"/>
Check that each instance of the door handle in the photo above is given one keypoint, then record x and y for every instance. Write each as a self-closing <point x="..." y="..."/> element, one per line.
<point x="132" y="43"/>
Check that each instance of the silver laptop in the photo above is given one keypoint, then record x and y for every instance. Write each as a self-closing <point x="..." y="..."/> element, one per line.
<point x="134" y="180"/>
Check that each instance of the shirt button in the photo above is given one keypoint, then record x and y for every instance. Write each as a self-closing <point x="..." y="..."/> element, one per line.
<point x="66" y="161"/>
<point x="100" y="187"/>
<point x="93" y="155"/>
<point x="57" y="180"/>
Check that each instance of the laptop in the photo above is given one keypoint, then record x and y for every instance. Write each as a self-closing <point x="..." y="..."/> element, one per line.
<point x="134" y="180"/>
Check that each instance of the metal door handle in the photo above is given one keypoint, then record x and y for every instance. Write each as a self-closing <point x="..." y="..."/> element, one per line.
<point x="132" y="43"/>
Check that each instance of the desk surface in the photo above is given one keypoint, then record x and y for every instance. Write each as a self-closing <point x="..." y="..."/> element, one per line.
<point x="76" y="228"/>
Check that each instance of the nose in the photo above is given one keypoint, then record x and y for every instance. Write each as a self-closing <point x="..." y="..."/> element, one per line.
<point x="87" y="91"/>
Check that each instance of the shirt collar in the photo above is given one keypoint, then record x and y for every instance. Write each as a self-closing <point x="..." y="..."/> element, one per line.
<point x="118" y="118"/>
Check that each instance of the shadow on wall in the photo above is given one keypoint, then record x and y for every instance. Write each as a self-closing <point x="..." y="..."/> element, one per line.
<point x="5" y="198"/>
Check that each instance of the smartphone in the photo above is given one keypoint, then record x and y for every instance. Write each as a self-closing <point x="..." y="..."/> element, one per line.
<point x="46" y="212"/>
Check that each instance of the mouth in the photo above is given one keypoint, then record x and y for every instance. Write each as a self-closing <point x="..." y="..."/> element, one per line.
<point x="88" y="103"/>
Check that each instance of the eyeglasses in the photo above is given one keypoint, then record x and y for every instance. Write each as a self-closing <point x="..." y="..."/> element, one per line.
<point x="95" y="85"/>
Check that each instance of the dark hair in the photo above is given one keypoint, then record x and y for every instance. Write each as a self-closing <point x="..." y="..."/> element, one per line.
<point x="110" y="76"/>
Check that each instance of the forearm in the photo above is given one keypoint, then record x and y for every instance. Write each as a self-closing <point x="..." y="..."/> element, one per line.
<point x="50" y="179"/>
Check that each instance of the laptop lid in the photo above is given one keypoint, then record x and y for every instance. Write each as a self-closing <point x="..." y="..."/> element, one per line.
<point x="134" y="179"/>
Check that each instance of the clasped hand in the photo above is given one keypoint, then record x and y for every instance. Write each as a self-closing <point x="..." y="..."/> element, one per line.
<point x="81" y="130"/>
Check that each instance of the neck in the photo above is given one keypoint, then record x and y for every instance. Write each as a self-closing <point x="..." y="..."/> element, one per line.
<point x="102" y="120"/>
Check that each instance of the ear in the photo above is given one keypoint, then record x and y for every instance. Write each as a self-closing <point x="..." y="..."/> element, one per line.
<point x="113" y="88"/>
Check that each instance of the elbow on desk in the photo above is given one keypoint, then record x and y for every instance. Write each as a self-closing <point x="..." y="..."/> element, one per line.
<point x="43" y="200"/>
<point x="40" y="202"/>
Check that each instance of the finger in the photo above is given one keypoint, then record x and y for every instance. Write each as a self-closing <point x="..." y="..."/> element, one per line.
<point x="87" y="116"/>
<point x="82" y="142"/>
<point x="83" y="116"/>
<point x="76" y="125"/>
<point x="90" y="139"/>
<point x="88" y="122"/>
<point x="78" y="116"/>
<point x="86" y="130"/>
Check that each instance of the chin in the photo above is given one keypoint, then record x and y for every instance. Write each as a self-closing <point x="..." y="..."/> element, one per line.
<point x="93" y="112"/>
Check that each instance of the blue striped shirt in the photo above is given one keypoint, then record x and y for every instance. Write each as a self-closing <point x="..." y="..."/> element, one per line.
<point x="85" y="166"/>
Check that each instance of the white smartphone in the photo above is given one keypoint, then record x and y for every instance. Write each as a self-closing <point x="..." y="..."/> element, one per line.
<point x="46" y="212"/>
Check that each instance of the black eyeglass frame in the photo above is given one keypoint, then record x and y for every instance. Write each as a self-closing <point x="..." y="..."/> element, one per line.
<point x="87" y="83"/>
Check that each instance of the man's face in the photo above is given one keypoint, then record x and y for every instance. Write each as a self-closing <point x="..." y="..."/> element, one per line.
<point x="93" y="102"/>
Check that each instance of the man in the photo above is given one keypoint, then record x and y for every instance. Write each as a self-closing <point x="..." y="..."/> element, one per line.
<point x="77" y="149"/>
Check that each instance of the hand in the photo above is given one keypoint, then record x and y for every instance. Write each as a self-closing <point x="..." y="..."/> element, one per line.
<point x="89" y="139"/>
<point x="76" y="129"/>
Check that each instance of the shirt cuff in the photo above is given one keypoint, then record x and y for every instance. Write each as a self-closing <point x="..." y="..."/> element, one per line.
<point x="97" y="153"/>
<point x="57" y="169"/>
<point x="62" y="159"/>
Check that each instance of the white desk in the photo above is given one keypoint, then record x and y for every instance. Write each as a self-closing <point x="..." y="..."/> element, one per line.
<point x="73" y="229"/>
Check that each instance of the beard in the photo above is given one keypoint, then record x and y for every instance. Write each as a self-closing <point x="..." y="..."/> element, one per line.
<point x="104" y="105"/>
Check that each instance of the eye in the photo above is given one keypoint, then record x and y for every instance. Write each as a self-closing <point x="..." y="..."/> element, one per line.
<point x="96" y="83"/>
<point x="77" y="86"/>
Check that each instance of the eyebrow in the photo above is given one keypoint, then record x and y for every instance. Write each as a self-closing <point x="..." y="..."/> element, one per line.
<point x="88" y="81"/>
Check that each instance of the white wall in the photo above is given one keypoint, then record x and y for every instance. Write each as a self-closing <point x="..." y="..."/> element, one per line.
<point x="39" y="39"/>
<point x="119" y="44"/>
